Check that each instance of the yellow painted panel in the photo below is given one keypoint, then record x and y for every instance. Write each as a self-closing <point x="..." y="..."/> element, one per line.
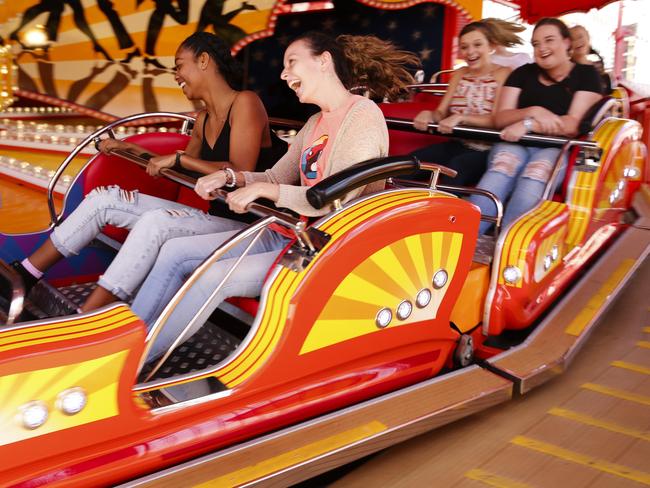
<point x="98" y="377"/>
<point x="296" y="456"/>
<point x="601" y="424"/>
<point x="622" y="394"/>
<point x="637" y="368"/>
<point x="492" y="479"/>
<point x="369" y="285"/>
<point x="582" y="459"/>
<point x="585" y="316"/>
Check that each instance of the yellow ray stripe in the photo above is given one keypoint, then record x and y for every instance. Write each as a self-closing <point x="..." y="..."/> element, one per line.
<point x="270" y="322"/>
<point x="62" y="327"/>
<point x="296" y="456"/>
<point x="492" y="479"/>
<point x="582" y="459"/>
<point x="622" y="394"/>
<point x="631" y="366"/>
<point x="643" y="344"/>
<point x="344" y="221"/>
<point x="548" y="211"/>
<point x="646" y="329"/>
<point x="602" y="424"/>
<point x="595" y="303"/>
<point x="41" y="340"/>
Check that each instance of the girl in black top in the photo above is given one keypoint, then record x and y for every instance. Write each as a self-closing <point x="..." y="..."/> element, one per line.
<point x="550" y="97"/>
<point x="232" y="132"/>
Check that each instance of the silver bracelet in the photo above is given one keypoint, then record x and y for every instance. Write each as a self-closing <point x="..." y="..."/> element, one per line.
<point x="231" y="178"/>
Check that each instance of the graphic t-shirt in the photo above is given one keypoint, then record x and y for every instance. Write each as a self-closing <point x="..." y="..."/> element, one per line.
<point x="318" y="145"/>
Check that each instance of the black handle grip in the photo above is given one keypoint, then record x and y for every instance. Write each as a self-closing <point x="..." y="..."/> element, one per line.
<point x="337" y="185"/>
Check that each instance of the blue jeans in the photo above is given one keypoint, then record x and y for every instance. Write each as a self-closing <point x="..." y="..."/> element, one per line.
<point x="179" y="257"/>
<point x="469" y="163"/>
<point x="151" y="222"/>
<point x="516" y="175"/>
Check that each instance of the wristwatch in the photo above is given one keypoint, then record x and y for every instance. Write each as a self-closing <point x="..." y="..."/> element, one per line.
<point x="528" y="124"/>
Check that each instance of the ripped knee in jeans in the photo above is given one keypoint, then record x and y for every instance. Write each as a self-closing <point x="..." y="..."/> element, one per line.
<point x="506" y="163"/>
<point x="127" y="196"/>
<point x="539" y="170"/>
<point x="178" y="212"/>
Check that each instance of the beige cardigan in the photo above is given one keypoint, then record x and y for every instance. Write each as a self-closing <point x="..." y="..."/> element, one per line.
<point x="363" y="135"/>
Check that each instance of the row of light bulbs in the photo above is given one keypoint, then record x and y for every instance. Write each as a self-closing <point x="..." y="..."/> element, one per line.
<point x="403" y="311"/>
<point x="38" y="110"/>
<point x="33" y="170"/>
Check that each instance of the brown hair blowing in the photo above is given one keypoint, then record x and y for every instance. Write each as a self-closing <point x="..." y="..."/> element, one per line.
<point x="504" y="33"/>
<point x="366" y="61"/>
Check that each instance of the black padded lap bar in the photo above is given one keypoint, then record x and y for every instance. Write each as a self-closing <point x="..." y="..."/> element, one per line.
<point x="337" y="185"/>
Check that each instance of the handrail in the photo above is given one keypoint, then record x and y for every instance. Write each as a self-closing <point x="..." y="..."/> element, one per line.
<point x="434" y="88"/>
<point x="437" y="74"/>
<point x="490" y="135"/>
<point x="189" y="182"/>
<point x="54" y="217"/>
<point x="465" y="190"/>
<point x="255" y="228"/>
<point x="549" y="189"/>
<point x="18" y="295"/>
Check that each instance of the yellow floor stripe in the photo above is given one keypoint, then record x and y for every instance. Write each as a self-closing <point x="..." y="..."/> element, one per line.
<point x="576" y="457"/>
<point x="594" y="422"/>
<point x="631" y="366"/>
<point x="625" y="395"/>
<point x="644" y="344"/>
<point x="491" y="479"/>
<point x="296" y="456"/>
<point x="590" y="310"/>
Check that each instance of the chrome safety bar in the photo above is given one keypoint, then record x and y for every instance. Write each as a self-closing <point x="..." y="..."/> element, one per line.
<point x="490" y="135"/>
<point x="466" y="191"/>
<point x="434" y="88"/>
<point x="54" y="217"/>
<point x="18" y="296"/>
<point x="254" y="208"/>
<point x="256" y="229"/>
<point x="549" y="190"/>
<point x="438" y="74"/>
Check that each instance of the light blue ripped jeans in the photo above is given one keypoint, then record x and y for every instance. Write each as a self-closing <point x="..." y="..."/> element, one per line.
<point x="516" y="175"/>
<point x="151" y="221"/>
<point x="179" y="257"/>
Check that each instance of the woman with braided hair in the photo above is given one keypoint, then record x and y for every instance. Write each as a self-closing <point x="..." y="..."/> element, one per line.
<point x="232" y="132"/>
<point x="349" y="129"/>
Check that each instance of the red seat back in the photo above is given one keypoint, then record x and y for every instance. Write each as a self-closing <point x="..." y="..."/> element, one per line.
<point x="402" y="142"/>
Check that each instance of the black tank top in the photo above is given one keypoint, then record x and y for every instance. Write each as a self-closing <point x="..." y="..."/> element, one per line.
<point x="221" y="152"/>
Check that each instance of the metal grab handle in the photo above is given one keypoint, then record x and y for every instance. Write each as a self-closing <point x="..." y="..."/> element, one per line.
<point x="467" y="191"/>
<point x="189" y="182"/>
<point x="490" y="135"/>
<point x="54" y="217"/>
<point x="167" y="312"/>
<point x="18" y="296"/>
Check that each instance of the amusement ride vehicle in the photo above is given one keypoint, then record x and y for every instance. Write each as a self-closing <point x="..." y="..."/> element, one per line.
<point x="385" y="318"/>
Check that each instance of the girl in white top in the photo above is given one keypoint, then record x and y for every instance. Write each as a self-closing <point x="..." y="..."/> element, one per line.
<point x="505" y="36"/>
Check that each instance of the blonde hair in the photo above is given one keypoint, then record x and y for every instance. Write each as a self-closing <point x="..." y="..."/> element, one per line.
<point x="368" y="61"/>
<point x="504" y="32"/>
